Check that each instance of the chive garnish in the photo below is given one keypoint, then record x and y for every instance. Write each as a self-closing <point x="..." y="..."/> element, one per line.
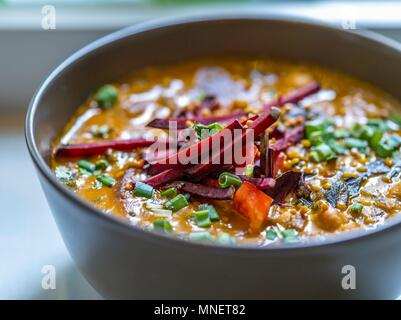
<point x="162" y="226"/>
<point x="202" y="218"/>
<point x="169" y="193"/>
<point x="225" y="239"/>
<point x="227" y="179"/>
<point x="271" y="234"/>
<point x="202" y="236"/>
<point x="106" y="180"/>
<point x="106" y="96"/>
<point x="177" y="203"/>
<point x="213" y="214"/>
<point x="290" y="235"/>
<point x="357" y="208"/>
<point x="143" y="190"/>
<point x="101" y="164"/>
<point x="86" y="165"/>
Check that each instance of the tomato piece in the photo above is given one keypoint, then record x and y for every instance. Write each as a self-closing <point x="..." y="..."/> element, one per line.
<point x="253" y="204"/>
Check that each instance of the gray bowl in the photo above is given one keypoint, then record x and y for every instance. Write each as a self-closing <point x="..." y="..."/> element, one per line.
<point x="123" y="261"/>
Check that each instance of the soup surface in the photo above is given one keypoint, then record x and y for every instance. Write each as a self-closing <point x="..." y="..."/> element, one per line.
<point x="168" y="150"/>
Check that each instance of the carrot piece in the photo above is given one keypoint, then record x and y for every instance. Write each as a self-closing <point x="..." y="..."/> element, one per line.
<point x="253" y="204"/>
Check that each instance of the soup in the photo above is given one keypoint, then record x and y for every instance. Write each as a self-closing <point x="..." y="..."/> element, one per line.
<point x="236" y="151"/>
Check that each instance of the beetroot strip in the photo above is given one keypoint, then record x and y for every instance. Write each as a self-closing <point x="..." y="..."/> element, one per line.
<point x="164" y="177"/>
<point x="182" y="122"/>
<point x="294" y="96"/>
<point x="260" y="183"/>
<point x="265" y="120"/>
<point x="291" y="137"/>
<point x="285" y="184"/>
<point x="195" y="149"/>
<point x="204" y="191"/>
<point x="97" y="148"/>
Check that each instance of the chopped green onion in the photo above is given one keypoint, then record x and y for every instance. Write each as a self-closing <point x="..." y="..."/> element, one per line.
<point x="162" y="226"/>
<point x="378" y="124"/>
<point x="361" y="131"/>
<point x="384" y="150"/>
<point x="314" y="156"/>
<point x="355" y="143"/>
<point x="106" y="96"/>
<point x="290" y="235"/>
<point x="187" y="196"/>
<point x="395" y="118"/>
<point x="316" y="138"/>
<point x="376" y="138"/>
<point x="143" y="190"/>
<point x="106" y="180"/>
<point x="203" y="219"/>
<point x="169" y="193"/>
<point x="394" y="141"/>
<point x="336" y="146"/>
<point x="324" y="152"/>
<point x="202" y="236"/>
<point x="225" y="239"/>
<point x="202" y="131"/>
<point x="271" y="234"/>
<point x="227" y="179"/>
<point x="87" y="165"/>
<point x="315" y="126"/>
<point x="340" y="134"/>
<point x="162" y="212"/>
<point x="213" y="214"/>
<point x="101" y="164"/>
<point x="177" y="203"/>
<point x="357" y="207"/>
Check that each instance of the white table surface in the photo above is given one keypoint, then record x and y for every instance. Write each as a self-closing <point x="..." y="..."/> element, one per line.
<point x="29" y="238"/>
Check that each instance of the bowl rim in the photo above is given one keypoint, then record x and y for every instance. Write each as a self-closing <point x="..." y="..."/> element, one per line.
<point x="124" y="226"/>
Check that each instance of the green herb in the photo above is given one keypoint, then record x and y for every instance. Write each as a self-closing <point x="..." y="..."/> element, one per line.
<point x="361" y="131"/>
<point x="337" y="147"/>
<point x="356" y="143"/>
<point x="271" y="234"/>
<point x="86" y="165"/>
<point x="202" y="218"/>
<point x="394" y="141"/>
<point x="213" y="214"/>
<point x="227" y="179"/>
<point x="106" y="96"/>
<point x="143" y="190"/>
<point x="324" y="152"/>
<point x="202" y="236"/>
<point x="101" y="164"/>
<point x="384" y="150"/>
<point x="225" y="239"/>
<point x="376" y="138"/>
<point x="202" y="131"/>
<point x="357" y="208"/>
<point x="65" y="176"/>
<point x="106" y="180"/>
<point x="340" y="134"/>
<point x="378" y="124"/>
<point x="162" y="226"/>
<point x="290" y="235"/>
<point x="169" y="193"/>
<point x="316" y="126"/>
<point x="177" y="203"/>
<point x="395" y="118"/>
